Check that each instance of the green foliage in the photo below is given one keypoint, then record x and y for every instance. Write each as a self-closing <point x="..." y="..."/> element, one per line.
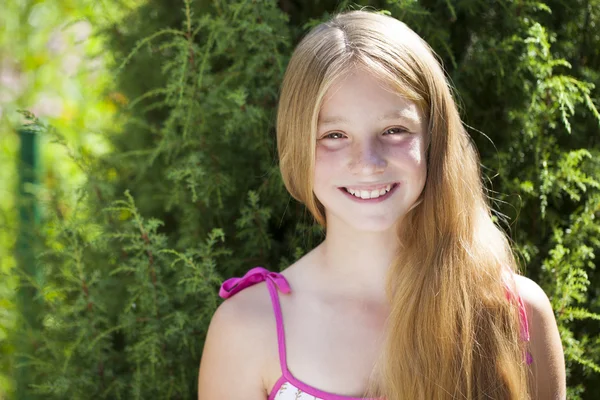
<point x="52" y="65"/>
<point x="190" y="192"/>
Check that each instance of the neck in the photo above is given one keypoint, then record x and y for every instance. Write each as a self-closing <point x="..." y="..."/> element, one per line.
<point x="355" y="263"/>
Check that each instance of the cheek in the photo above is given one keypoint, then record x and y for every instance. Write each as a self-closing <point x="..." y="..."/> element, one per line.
<point x="411" y="152"/>
<point x="323" y="164"/>
<point x="327" y="160"/>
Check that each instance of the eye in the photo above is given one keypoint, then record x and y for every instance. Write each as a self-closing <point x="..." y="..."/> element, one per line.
<point x="329" y="135"/>
<point x="396" y="130"/>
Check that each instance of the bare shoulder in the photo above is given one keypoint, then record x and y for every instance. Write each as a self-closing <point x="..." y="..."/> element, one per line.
<point x="532" y="294"/>
<point x="236" y="347"/>
<point x="548" y="367"/>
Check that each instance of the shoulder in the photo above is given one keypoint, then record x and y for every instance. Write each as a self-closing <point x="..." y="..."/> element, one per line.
<point x="532" y="294"/>
<point x="237" y="346"/>
<point x="548" y="367"/>
<point x="540" y="314"/>
<point x="247" y="308"/>
<point x="246" y="315"/>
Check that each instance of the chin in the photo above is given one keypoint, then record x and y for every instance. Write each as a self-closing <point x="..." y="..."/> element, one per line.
<point x="365" y="223"/>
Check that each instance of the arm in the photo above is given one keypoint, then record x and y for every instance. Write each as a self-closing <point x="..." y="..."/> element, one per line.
<point x="548" y="367"/>
<point x="229" y="368"/>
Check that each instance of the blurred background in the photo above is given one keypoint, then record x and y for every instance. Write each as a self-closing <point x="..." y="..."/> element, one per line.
<point x="138" y="170"/>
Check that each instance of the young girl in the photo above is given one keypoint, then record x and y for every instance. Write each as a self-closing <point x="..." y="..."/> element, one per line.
<point x="413" y="294"/>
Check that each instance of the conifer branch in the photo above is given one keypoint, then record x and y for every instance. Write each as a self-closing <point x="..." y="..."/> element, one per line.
<point x="145" y="41"/>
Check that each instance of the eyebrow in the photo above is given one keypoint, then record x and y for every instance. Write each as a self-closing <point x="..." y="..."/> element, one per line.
<point x="390" y="115"/>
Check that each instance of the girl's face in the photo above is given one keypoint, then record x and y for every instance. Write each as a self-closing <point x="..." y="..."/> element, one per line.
<point x="369" y="140"/>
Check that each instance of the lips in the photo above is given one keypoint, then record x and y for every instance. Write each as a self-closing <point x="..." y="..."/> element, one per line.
<point x="371" y="201"/>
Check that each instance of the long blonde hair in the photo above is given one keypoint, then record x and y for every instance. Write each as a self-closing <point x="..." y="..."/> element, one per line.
<point x="453" y="332"/>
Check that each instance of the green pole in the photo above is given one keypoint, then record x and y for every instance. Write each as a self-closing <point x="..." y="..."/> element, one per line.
<point x="25" y="252"/>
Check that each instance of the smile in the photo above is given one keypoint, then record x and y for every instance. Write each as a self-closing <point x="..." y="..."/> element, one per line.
<point x="374" y="196"/>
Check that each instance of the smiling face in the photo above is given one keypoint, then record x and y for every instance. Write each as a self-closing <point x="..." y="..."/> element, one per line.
<point x="369" y="139"/>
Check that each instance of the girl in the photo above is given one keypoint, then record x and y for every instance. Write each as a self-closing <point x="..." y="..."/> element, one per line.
<point x="413" y="294"/>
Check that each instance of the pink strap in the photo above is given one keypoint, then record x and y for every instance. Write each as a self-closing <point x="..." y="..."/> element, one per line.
<point x="522" y="315"/>
<point x="524" y="329"/>
<point x="255" y="275"/>
<point x="274" y="281"/>
<point x="524" y="323"/>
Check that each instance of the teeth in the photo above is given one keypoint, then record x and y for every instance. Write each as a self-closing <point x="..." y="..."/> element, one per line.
<point x="366" y="194"/>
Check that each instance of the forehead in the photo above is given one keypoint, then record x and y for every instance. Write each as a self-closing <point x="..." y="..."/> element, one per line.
<point x="361" y="94"/>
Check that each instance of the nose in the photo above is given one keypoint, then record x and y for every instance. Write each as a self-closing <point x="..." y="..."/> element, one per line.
<point x="367" y="158"/>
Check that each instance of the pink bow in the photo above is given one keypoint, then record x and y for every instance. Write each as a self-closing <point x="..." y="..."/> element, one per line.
<point x="255" y="275"/>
